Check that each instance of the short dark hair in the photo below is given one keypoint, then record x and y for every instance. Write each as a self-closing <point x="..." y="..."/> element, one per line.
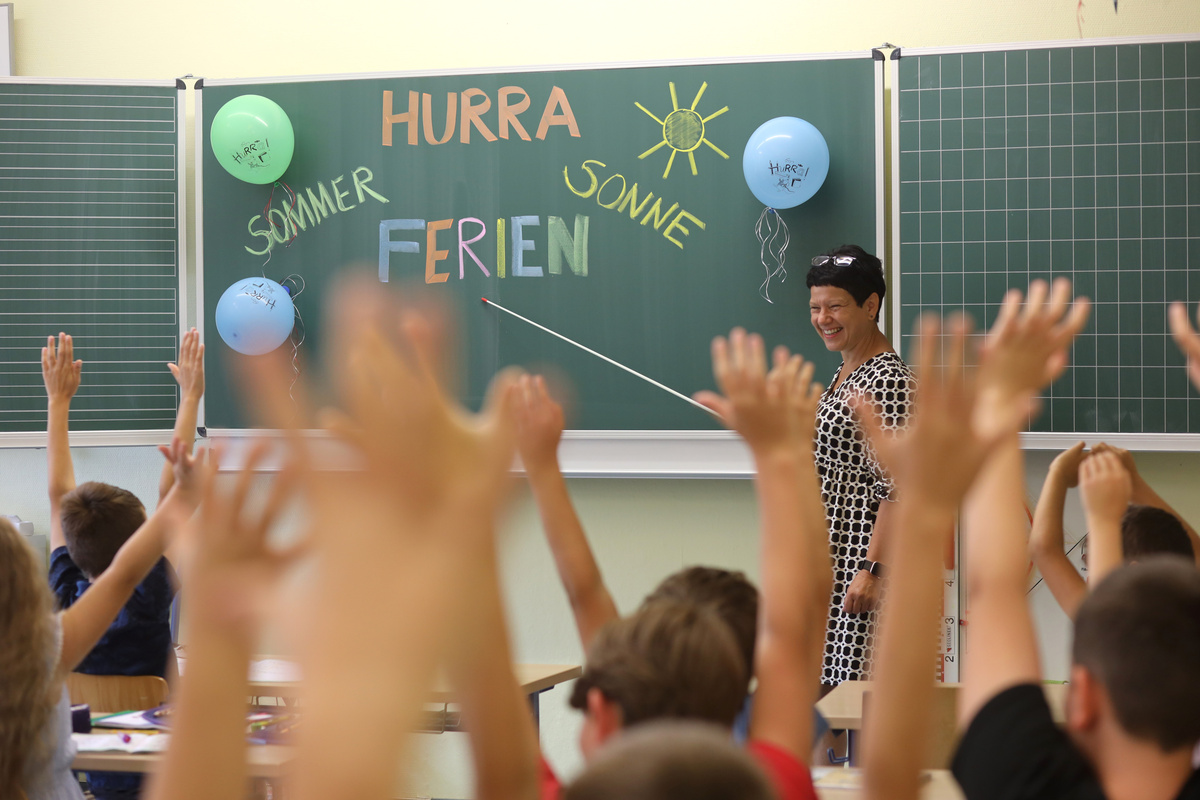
<point x="666" y="660"/>
<point x="669" y="759"/>
<point x="730" y="594"/>
<point x="97" y="518"/>
<point x="1147" y="531"/>
<point x="1138" y="633"/>
<point x="861" y="279"/>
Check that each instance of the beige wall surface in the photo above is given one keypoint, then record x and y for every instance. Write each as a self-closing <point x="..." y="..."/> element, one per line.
<point x="641" y="530"/>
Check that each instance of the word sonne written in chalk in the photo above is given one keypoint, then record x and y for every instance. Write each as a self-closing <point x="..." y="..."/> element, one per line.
<point x="622" y="196"/>
<point x="561" y="245"/>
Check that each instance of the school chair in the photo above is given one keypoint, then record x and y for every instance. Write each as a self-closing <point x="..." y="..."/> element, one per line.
<point x="116" y="692"/>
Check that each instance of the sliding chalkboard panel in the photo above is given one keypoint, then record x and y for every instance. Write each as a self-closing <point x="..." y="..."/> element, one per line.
<point x="624" y="184"/>
<point x="1081" y="160"/>
<point x="89" y="245"/>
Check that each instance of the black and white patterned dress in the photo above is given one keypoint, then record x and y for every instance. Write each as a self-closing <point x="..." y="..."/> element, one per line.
<point x="852" y="486"/>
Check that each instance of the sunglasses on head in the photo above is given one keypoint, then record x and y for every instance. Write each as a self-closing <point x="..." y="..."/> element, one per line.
<point x="841" y="261"/>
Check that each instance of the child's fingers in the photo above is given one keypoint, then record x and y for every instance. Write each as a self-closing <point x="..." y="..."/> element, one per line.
<point x="282" y="489"/>
<point x="1060" y="298"/>
<point x="717" y="404"/>
<point x="737" y="351"/>
<point x="237" y="499"/>
<point x="720" y="360"/>
<point x="1035" y="300"/>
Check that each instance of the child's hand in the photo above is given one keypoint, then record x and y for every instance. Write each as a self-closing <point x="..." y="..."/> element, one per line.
<point x="188" y="478"/>
<point x="775" y="409"/>
<point x="1065" y="466"/>
<point x="1186" y="338"/>
<point x="232" y="570"/>
<point x="60" y="371"/>
<point x="1125" y="456"/>
<point x="189" y="370"/>
<point x="1105" y="488"/>
<point x="1026" y="349"/>
<point x="539" y="422"/>
<point x="937" y="458"/>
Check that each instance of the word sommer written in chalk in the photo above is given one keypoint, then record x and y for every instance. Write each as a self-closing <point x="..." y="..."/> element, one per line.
<point x="281" y="225"/>
<point x="560" y="244"/>
<point x="511" y="102"/>
<point x="626" y="197"/>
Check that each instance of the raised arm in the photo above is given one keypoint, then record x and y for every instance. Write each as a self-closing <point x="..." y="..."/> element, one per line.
<point x="232" y="579"/>
<point x="395" y="541"/>
<point x="1145" y="495"/>
<point x="540" y="427"/>
<point x="1025" y="350"/>
<point x="504" y="742"/>
<point x="934" y="464"/>
<point x="1046" y="546"/>
<point x="89" y="617"/>
<point x="61" y="374"/>
<point x="775" y="413"/>
<point x="189" y="374"/>
<point x="1106" y="488"/>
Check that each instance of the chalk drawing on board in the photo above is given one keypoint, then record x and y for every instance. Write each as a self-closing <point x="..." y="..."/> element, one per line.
<point x="683" y="130"/>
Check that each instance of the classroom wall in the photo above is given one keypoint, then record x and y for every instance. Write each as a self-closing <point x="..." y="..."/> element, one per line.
<point x="641" y="529"/>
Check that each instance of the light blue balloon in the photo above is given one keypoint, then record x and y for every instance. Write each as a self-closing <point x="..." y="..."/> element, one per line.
<point x="255" y="316"/>
<point x="785" y="162"/>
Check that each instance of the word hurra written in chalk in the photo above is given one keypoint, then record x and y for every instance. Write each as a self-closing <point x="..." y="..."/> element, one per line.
<point x="622" y="196"/>
<point x="511" y="102"/>
<point x="281" y="225"/>
<point x="561" y="245"/>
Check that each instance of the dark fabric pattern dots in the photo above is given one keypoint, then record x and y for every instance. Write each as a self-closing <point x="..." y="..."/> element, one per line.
<point x="852" y="485"/>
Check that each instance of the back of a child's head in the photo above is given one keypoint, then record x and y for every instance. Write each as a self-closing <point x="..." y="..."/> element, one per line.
<point x="1148" y="531"/>
<point x="665" y="760"/>
<point x="97" y="518"/>
<point x="667" y="660"/>
<point x="730" y="594"/>
<point x="27" y="647"/>
<point x="1138" y="634"/>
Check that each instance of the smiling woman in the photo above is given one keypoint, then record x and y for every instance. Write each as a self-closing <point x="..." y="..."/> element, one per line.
<point x="846" y="293"/>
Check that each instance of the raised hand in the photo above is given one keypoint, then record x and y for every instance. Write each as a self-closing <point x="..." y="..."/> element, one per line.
<point x="539" y="422"/>
<point x="188" y="371"/>
<point x="1065" y="466"/>
<point x="60" y="370"/>
<point x="937" y="458"/>
<point x="766" y="408"/>
<point x="1186" y="338"/>
<point x="1026" y="349"/>
<point x="1105" y="487"/>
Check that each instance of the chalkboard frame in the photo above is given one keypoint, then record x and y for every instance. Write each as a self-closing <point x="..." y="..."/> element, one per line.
<point x="1035" y="440"/>
<point x="131" y="437"/>
<point x="590" y="453"/>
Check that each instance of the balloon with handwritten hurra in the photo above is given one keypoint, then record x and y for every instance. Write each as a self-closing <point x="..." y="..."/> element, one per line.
<point x="785" y="162"/>
<point x="255" y="316"/>
<point x="252" y="138"/>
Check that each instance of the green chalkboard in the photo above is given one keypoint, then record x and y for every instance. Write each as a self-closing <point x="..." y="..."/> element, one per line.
<point x="658" y="214"/>
<point x="1080" y="160"/>
<point x="89" y="184"/>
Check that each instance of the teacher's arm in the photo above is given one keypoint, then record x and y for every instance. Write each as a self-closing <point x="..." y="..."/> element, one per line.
<point x="863" y="593"/>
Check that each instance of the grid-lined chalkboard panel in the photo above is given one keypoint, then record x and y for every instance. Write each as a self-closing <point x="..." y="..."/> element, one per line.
<point x="1081" y="161"/>
<point x="89" y="245"/>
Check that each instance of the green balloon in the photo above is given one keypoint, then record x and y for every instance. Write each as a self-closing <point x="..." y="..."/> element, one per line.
<point x="252" y="139"/>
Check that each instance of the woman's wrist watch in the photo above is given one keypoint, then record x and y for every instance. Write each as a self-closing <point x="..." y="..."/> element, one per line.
<point x="876" y="568"/>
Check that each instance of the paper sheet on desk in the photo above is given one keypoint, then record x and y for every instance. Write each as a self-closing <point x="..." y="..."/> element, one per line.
<point x="274" y="669"/>
<point x="265" y="670"/>
<point x="138" y="742"/>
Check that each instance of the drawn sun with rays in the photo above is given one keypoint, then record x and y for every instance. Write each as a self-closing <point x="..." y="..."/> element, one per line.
<point x="683" y="129"/>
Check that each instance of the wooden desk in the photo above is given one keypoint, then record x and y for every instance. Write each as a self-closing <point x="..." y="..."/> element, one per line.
<point x="267" y="761"/>
<point x="846" y="784"/>
<point x="843" y="707"/>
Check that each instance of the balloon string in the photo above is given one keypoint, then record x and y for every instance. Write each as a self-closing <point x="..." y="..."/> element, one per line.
<point x="773" y="241"/>
<point x="296" y="284"/>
